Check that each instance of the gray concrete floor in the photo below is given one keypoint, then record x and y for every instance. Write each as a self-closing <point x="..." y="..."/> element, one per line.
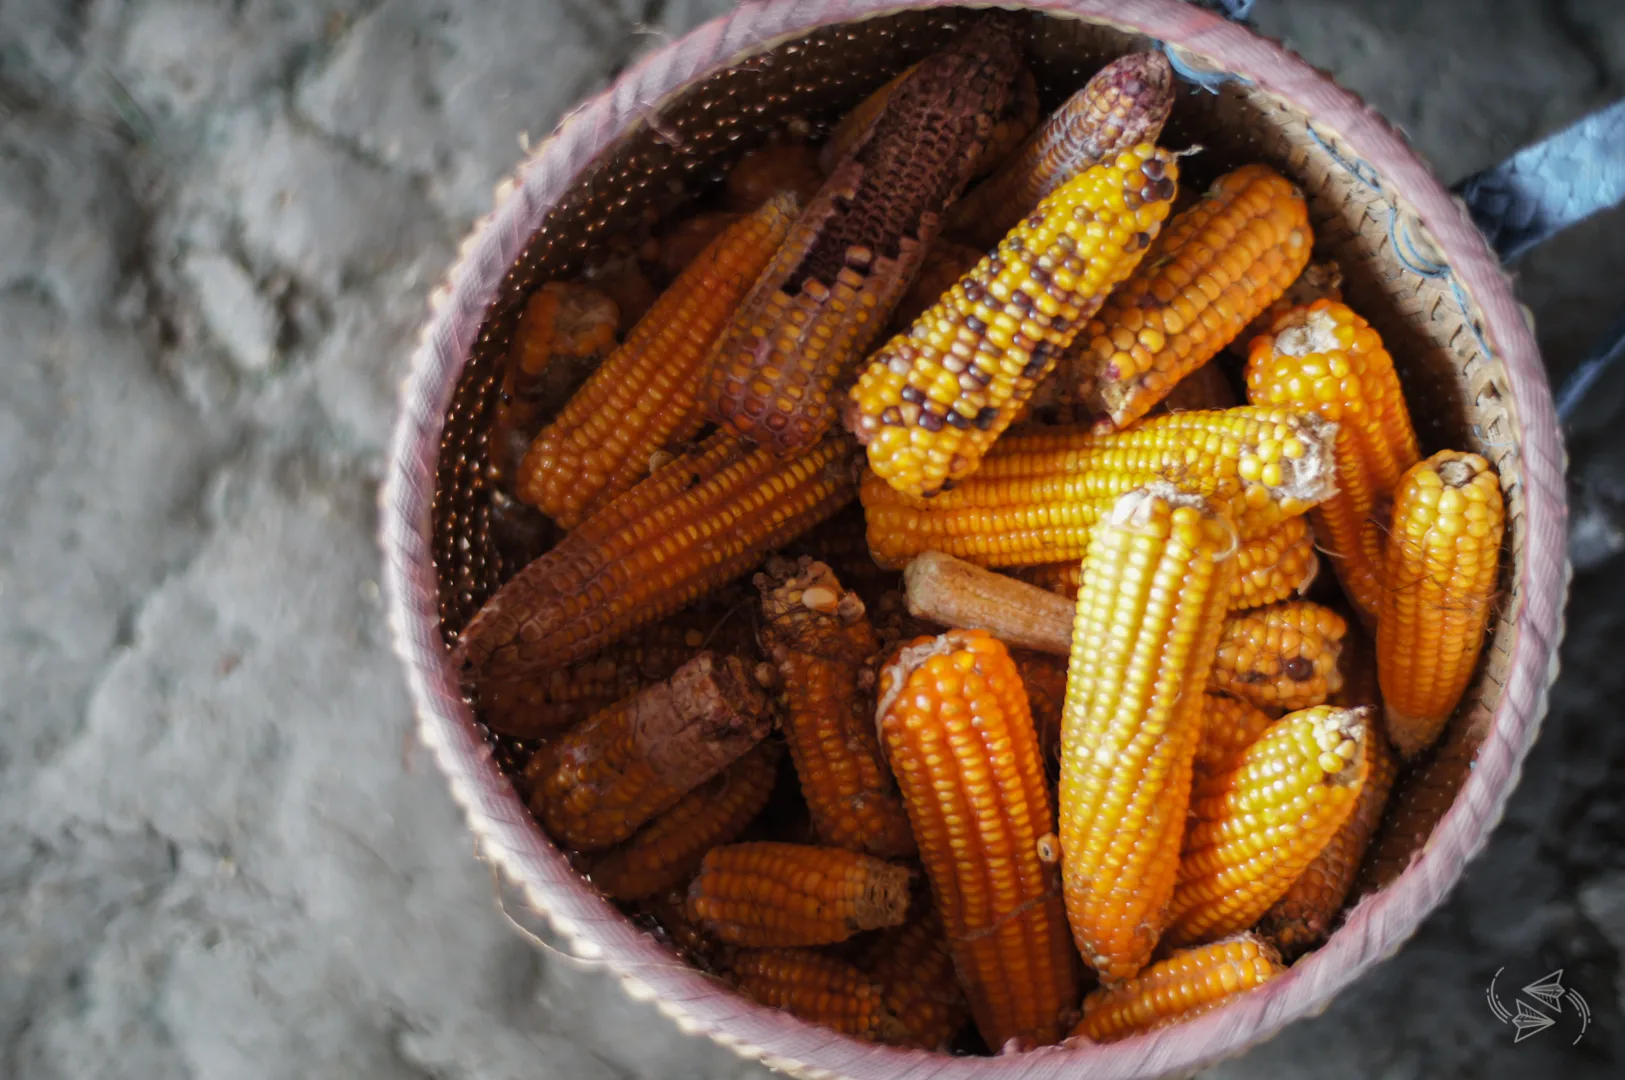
<point x="222" y="855"/>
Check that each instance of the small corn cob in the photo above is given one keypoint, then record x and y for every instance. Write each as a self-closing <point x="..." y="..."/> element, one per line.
<point x="1303" y="917"/>
<point x="599" y="782"/>
<point x="1321" y="280"/>
<point x="1044" y="677"/>
<point x="664" y="914"/>
<point x="1215" y="267"/>
<point x="819" y="989"/>
<point x="1039" y="491"/>
<point x="667" y="850"/>
<point x="1124" y="105"/>
<point x="1205" y="388"/>
<point x="766" y="894"/>
<point x="955" y="721"/>
<point x="762" y="174"/>
<point x="931" y="401"/>
<point x="1358" y="663"/>
<point x="842" y="542"/>
<point x="955" y="593"/>
<point x="642" y="398"/>
<point x="1257" y="825"/>
<point x="1326" y="358"/>
<point x="1229" y="726"/>
<point x="1281" y="657"/>
<point x="944" y="265"/>
<point x="696" y="523"/>
<point x="820" y="639"/>
<point x="1182" y="986"/>
<point x="1440" y="588"/>
<point x="1148" y="617"/>
<point x="683" y="242"/>
<point x="915" y="968"/>
<point x="856" y="126"/>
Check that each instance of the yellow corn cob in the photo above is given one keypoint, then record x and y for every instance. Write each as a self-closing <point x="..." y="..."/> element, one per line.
<point x="820" y="639"/>
<point x="1229" y="726"/>
<point x="1281" y="657"/>
<point x="599" y="782"/>
<point x="1321" y="280"/>
<point x="762" y="174"/>
<point x="700" y="520"/>
<point x="1124" y="105"/>
<point x="1302" y="918"/>
<point x="1039" y="491"/>
<point x="642" y="397"/>
<point x="856" y="125"/>
<point x="667" y="850"/>
<point x="1185" y="985"/>
<point x="957" y="730"/>
<point x="1439" y="590"/>
<point x="767" y="894"/>
<point x="818" y="989"/>
<point x="1258" y="824"/>
<point x="1148" y="617"/>
<point x="915" y="968"/>
<point x="1216" y="266"/>
<point x="1326" y="358"/>
<point x="932" y="401"/>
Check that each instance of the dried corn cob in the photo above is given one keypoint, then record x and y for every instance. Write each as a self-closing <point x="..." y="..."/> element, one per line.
<point x="856" y="126"/>
<point x="599" y="782"/>
<point x="682" y="244"/>
<point x="842" y="542"/>
<point x="931" y="401"/>
<point x="1013" y="124"/>
<point x="956" y="593"/>
<point x="1326" y="358"/>
<point x="1229" y="726"/>
<point x="1185" y="985"/>
<point x="697" y="522"/>
<point x="820" y="639"/>
<point x="829" y="291"/>
<point x="957" y="730"/>
<point x="766" y="894"/>
<point x="1258" y="824"/>
<point x="1439" y="590"/>
<point x="1302" y="918"/>
<point x="667" y="850"/>
<point x="1281" y="657"/>
<point x="762" y="174"/>
<point x="1148" y="617"/>
<point x="915" y="968"/>
<point x="1215" y="267"/>
<point x="664" y="914"/>
<point x="1321" y="280"/>
<point x="1039" y="491"/>
<point x="945" y="263"/>
<point x="1124" y="105"/>
<point x="818" y="989"/>
<point x="1044" y="677"/>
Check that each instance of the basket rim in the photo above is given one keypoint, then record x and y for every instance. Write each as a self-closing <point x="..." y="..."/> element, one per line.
<point x="596" y="931"/>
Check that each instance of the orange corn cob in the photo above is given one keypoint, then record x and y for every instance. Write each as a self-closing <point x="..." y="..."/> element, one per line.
<point x="819" y="989"/>
<point x="944" y="265"/>
<point x="1185" y="985"/>
<point x="699" y="521"/>
<point x="1148" y="617"/>
<point x="667" y="850"/>
<point x="1326" y="358"/>
<point x="1321" y="280"/>
<point x="642" y="398"/>
<point x="931" y="401"/>
<point x="1216" y="266"/>
<point x="1124" y="105"/>
<point x="1281" y="657"/>
<point x="1303" y="917"/>
<point x="957" y="730"/>
<point x="915" y="968"/>
<point x="1440" y="587"/>
<point x="1229" y="726"/>
<point x="599" y="782"/>
<point x="766" y="894"/>
<point x="1256" y="826"/>
<point x="820" y="639"/>
<point x="857" y="125"/>
<point x="762" y="174"/>
<point x="1039" y="491"/>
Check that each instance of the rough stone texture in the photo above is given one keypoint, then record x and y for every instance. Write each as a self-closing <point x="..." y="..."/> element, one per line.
<point x="222" y="854"/>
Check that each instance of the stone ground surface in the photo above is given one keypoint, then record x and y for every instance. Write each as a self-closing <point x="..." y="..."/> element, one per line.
<point x="222" y="854"/>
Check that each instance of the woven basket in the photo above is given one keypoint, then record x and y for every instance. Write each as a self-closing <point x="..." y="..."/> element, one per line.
<point x="1415" y="266"/>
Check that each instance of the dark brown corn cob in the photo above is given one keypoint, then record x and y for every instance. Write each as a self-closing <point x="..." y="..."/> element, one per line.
<point x="914" y="966"/>
<point x="819" y="989"/>
<point x="857" y="125"/>
<point x="762" y="174"/>
<point x="765" y="894"/>
<point x="1013" y="124"/>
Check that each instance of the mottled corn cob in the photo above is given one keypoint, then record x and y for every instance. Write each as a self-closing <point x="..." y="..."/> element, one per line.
<point x="1148" y="617"/>
<point x="1044" y="677"/>
<point x="1216" y="266"/>
<point x="819" y="989"/>
<point x="1303" y="917"/>
<point x="944" y="265"/>
<point x="1321" y="280"/>
<point x="698" y="521"/>
<point x="1205" y="388"/>
<point x="1257" y="825"/>
<point x="766" y="894"/>
<point x="1229" y="726"/>
<point x="827" y="294"/>
<point x="667" y="850"/>
<point x="1185" y="985"/>
<point x="599" y="782"/>
<point x="1124" y="105"/>
<point x="915" y="968"/>
<point x="1326" y="358"/>
<point x="857" y="125"/>
<point x="823" y="646"/>
<point x="762" y="174"/>
<point x="1439" y="591"/>
<point x="1039" y="491"/>
<point x="957" y="730"/>
<point x="931" y="401"/>
<point x="1281" y="657"/>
